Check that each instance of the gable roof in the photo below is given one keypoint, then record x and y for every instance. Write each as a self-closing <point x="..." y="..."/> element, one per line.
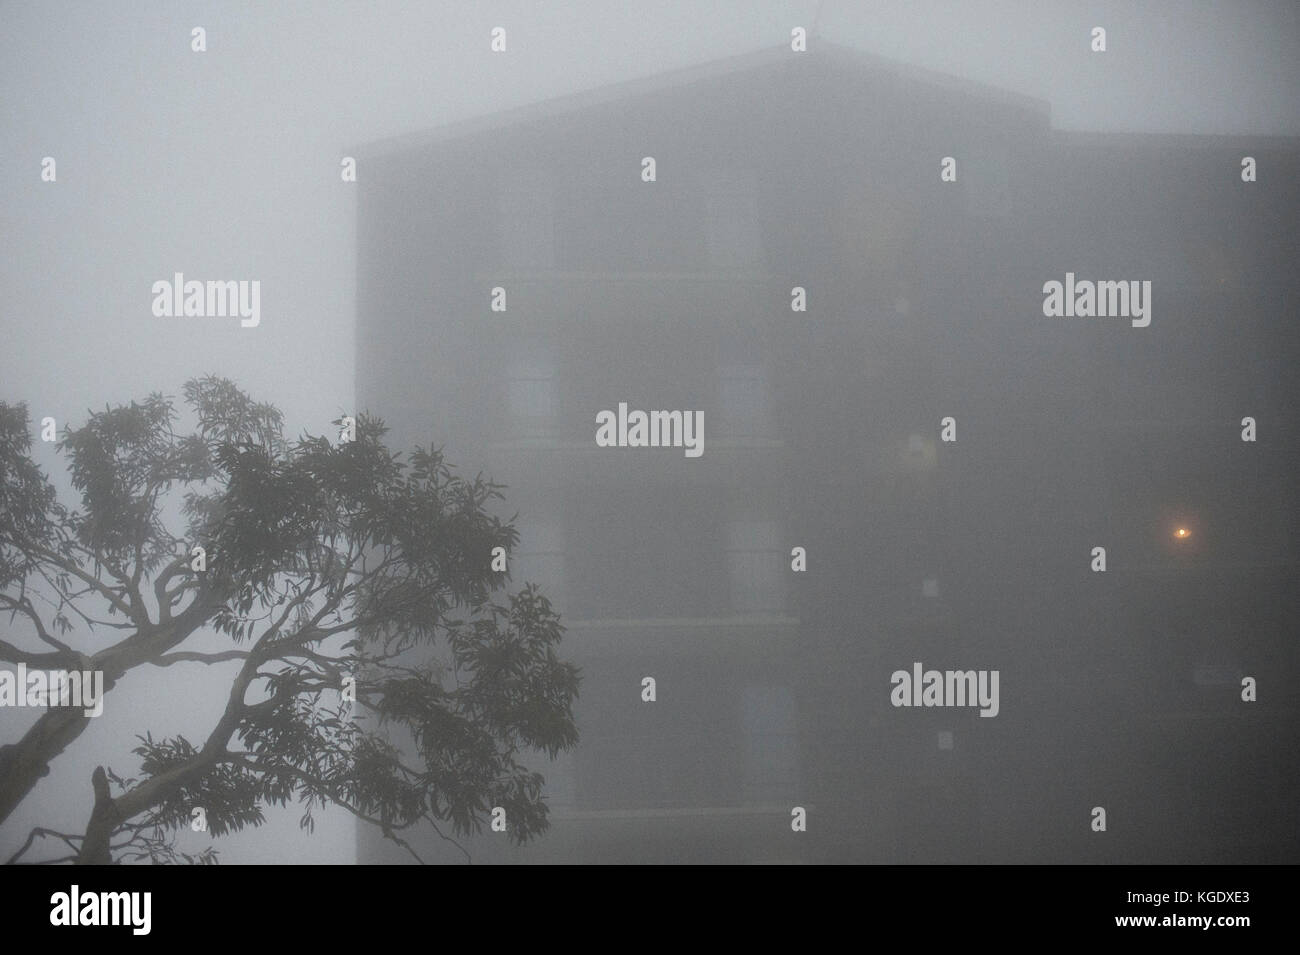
<point x="822" y="55"/>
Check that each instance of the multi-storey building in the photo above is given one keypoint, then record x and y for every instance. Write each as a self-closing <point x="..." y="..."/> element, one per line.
<point x="821" y="171"/>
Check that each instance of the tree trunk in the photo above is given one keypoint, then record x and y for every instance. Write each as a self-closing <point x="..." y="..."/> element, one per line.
<point x="25" y="763"/>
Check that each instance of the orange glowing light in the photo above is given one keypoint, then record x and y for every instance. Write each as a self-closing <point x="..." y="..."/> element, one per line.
<point x="1182" y="532"/>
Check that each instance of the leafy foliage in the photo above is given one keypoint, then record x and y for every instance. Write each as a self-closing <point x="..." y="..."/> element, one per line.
<point x="328" y="565"/>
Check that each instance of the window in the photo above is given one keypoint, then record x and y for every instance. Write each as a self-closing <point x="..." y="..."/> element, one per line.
<point x="756" y="565"/>
<point x="770" y="744"/>
<point x="539" y="558"/>
<point x="526" y="214"/>
<point x="732" y="228"/>
<point x="744" y="402"/>
<point x="561" y="788"/>
<point x="530" y="396"/>
<point x="921" y="454"/>
<point x="986" y="175"/>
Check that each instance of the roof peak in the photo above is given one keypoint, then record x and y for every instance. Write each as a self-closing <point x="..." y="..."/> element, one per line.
<point x="822" y="53"/>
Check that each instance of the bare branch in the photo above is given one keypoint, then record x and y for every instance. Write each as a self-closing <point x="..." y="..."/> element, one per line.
<point x="168" y="659"/>
<point x="42" y="832"/>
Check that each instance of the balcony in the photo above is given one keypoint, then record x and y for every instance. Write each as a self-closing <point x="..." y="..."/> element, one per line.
<point x="682" y="301"/>
<point x="680" y="637"/>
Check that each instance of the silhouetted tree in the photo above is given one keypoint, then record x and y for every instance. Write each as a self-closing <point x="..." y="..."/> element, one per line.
<point x="333" y="568"/>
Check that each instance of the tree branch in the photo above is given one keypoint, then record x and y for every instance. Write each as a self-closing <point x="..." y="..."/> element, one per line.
<point x="168" y="659"/>
<point x="72" y="567"/>
<point x="62" y="660"/>
<point x="23" y="604"/>
<point x="42" y="832"/>
<point x="386" y="828"/>
<point x="164" y="597"/>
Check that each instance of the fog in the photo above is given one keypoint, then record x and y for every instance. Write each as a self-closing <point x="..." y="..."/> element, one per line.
<point x="821" y="428"/>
